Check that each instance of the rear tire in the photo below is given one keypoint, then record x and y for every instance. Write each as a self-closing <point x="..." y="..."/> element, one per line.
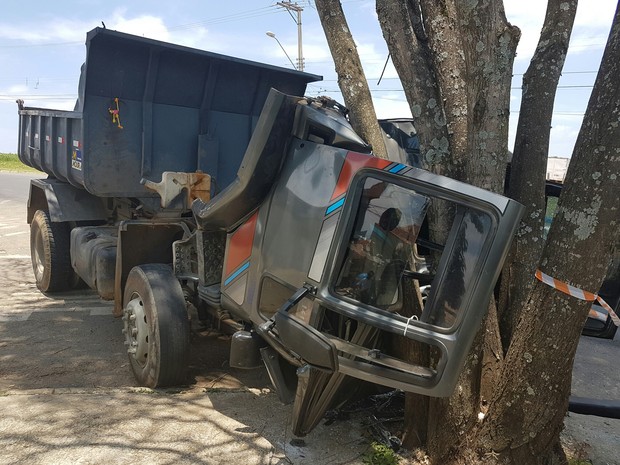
<point x="50" y="253"/>
<point x="156" y="326"/>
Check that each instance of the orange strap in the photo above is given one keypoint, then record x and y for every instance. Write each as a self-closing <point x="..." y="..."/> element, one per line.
<point x="576" y="292"/>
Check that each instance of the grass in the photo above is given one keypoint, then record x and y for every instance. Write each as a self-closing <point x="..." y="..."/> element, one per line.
<point x="380" y="454"/>
<point x="10" y="162"/>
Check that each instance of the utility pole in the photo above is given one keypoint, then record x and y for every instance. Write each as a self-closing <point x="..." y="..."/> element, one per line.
<point x="289" y="6"/>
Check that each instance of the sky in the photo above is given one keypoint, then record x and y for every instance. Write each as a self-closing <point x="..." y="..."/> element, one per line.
<point x="42" y="49"/>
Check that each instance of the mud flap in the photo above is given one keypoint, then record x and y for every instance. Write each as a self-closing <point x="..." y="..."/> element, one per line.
<point x="310" y="402"/>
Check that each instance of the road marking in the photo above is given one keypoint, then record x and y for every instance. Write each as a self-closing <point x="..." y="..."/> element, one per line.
<point x="107" y="311"/>
<point x="8" y="317"/>
<point x="26" y="293"/>
<point x="15" y="257"/>
<point x="15" y="233"/>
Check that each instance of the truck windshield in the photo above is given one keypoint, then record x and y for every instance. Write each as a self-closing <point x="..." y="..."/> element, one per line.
<point x="390" y="243"/>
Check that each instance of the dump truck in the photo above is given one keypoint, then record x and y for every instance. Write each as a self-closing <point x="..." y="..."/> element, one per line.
<point x="187" y="184"/>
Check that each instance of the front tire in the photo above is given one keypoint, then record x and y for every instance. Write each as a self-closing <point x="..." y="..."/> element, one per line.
<point x="50" y="253"/>
<point x="156" y="326"/>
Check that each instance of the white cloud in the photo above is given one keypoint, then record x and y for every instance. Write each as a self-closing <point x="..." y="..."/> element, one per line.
<point x="149" y="26"/>
<point x="373" y="61"/>
<point x="57" y="29"/>
<point x="154" y="27"/>
<point x="595" y="14"/>
<point x="590" y="31"/>
<point x="196" y="38"/>
<point x="528" y="15"/>
<point x="563" y="136"/>
<point x="392" y="106"/>
<point x="54" y="30"/>
<point x="16" y="89"/>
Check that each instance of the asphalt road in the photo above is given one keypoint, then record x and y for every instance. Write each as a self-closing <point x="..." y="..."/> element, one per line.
<point x="67" y="396"/>
<point x="14" y="186"/>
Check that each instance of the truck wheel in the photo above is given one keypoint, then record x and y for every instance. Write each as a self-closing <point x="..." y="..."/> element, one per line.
<point x="49" y="252"/>
<point x="156" y="326"/>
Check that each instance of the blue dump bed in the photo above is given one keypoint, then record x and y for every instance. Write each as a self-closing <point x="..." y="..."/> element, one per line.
<point x="145" y="107"/>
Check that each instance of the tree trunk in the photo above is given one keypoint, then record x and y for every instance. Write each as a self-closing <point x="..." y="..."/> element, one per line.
<point x="401" y="23"/>
<point x="351" y="78"/>
<point x="528" y="407"/>
<point x="415" y="427"/>
<point x="529" y="160"/>
<point x="404" y="33"/>
<point x="455" y="63"/>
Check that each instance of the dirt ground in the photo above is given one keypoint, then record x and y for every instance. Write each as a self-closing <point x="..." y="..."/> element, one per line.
<point x="67" y="395"/>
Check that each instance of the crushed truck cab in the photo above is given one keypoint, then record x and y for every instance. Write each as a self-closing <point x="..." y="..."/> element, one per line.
<point x="232" y="197"/>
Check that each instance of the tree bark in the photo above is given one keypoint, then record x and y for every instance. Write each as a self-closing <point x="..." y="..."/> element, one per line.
<point x="401" y="23"/>
<point x="404" y="33"/>
<point x="529" y="160"/>
<point x="455" y="62"/>
<point x="473" y="49"/>
<point x="528" y="407"/>
<point x="351" y="78"/>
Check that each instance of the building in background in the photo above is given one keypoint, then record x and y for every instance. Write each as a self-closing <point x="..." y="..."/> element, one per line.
<point x="556" y="168"/>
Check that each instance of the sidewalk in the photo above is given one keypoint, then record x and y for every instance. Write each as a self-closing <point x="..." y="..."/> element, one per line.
<point x="126" y="426"/>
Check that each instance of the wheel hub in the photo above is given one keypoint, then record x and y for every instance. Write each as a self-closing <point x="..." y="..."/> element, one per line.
<point x="136" y="330"/>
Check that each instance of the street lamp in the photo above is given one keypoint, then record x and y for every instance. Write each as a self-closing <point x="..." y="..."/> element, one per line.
<point x="273" y="36"/>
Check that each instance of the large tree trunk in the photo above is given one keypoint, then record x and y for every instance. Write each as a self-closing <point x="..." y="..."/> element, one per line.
<point x="529" y="160"/>
<point x="455" y="62"/>
<point x="527" y="410"/>
<point x="407" y="40"/>
<point x="351" y="79"/>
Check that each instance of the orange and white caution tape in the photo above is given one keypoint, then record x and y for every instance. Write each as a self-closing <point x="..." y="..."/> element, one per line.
<point x="578" y="293"/>
<point x="596" y="314"/>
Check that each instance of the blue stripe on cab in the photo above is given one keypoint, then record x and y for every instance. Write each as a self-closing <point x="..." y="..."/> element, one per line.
<point x="334" y="206"/>
<point x="397" y="168"/>
<point x="240" y="270"/>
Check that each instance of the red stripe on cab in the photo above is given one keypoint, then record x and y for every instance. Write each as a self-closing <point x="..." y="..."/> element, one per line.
<point x="352" y="164"/>
<point x="240" y="247"/>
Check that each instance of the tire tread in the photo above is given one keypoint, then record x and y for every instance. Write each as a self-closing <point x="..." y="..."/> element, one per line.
<point x="57" y="259"/>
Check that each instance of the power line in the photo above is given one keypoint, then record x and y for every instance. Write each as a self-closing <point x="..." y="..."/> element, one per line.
<point x="512" y="88"/>
<point x="249" y="14"/>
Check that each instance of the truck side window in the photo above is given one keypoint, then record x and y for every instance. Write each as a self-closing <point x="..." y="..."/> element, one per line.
<point x="387" y="224"/>
<point x="471" y="230"/>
